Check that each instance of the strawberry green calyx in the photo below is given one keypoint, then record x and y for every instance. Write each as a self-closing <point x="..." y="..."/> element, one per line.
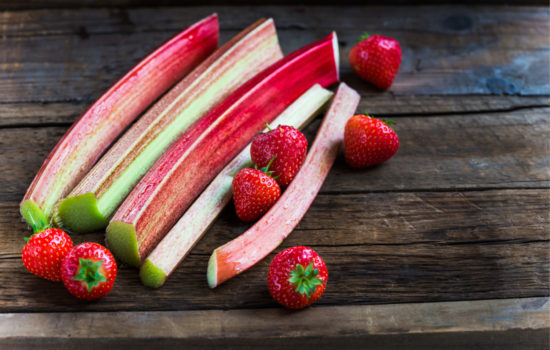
<point x="305" y="280"/>
<point x="88" y="272"/>
<point x="34" y="216"/>
<point x="363" y="36"/>
<point x="265" y="169"/>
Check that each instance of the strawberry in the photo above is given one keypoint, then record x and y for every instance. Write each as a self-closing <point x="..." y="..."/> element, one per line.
<point x="254" y="192"/>
<point x="286" y="146"/>
<point x="376" y="59"/>
<point x="43" y="253"/>
<point x="368" y="141"/>
<point x="89" y="271"/>
<point x="297" y="277"/>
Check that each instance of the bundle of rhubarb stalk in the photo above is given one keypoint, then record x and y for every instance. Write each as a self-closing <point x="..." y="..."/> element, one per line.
<point x="159" y="187"/>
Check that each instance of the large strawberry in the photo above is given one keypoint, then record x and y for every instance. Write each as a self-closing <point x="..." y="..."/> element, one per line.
<point x="376" y="59"/>
<point x="43" y="253"/>
<point x="89" y="271"/>
<point x="297" y="277"/>
<point x="286" y="147"/>
<point x="254" y="192"/>
<point x="368" y="141"/>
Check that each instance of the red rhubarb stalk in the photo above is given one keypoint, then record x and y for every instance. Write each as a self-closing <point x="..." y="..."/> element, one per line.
<point x="190" y="228"/>
<point x="98" y="127"/>
<point x="263" y="237"/>
<point x="95" y="199"/>
<point x="179" y="176"/>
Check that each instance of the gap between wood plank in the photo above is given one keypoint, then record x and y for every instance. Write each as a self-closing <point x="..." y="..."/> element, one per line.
<point x="377" y="115"/>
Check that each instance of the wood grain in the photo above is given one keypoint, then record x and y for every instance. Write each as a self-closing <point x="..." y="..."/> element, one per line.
<point x="32" y="114"/>
<point x="70" y="55"/>
<point x="509" y="323"/>
<point x="38" y="4"/>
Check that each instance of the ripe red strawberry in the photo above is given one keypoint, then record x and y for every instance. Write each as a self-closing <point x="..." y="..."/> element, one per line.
<point x="254" y="192"/>
<point x="376" y="59"/>
<point x="297" y="277"/>
<point x="287" y="147"/>
<point x="43" y="253"/>
<point x="368" y="141"/>
<point x="89" y="271"/>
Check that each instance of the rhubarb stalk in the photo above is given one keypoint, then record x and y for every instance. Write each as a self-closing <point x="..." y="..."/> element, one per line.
<point x="101" y="124"/>
<point x="177" y="243"/>
<point x="179" y="176"/>
<point x="93" y="201"/>
<point x="266" y="234"/>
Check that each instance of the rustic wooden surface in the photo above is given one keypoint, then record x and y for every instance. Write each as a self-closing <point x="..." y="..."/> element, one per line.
<point x="509" y="324"/>
<point x="461" y="213"/>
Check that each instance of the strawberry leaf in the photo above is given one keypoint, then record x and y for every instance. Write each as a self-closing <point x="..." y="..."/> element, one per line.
<point x="363" y="36"/>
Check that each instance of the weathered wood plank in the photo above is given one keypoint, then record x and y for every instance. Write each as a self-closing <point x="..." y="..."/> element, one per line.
<point x="447" y="50"/>
<point x="444" y="19"/>
<point x="380" y="248"/>
<point x="382" y="105"/>
<point x="39" y="4"/>
<point x="509" y="323"/>
<point x="497" y="150"/>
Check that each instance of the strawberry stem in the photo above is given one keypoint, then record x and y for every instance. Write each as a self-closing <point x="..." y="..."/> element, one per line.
<point x="266" y="168"/>
<point x="88" y="272"/>
<point x="268" y="127"/>
<point x="305" y="280"/>
<point x="364" y="36"/>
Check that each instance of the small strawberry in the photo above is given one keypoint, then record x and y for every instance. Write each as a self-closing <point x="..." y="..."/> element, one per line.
<point x="368" y="141"/>
<point x="376" y="59"/>
<point x="89" y="271"/>
<point x="297" y="277"/>
<point x="43" y="253"/>
<point x="286" y="146"/>
<point x="254" y="192"/>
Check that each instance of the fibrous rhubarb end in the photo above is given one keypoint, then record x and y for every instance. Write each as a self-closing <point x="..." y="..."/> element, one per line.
<point x="80" y="214"/>
<point x="34" y="216"/>
<point x="151" y="275"/>
<point x="212" y="271"/>
<point x="122" y="241"/>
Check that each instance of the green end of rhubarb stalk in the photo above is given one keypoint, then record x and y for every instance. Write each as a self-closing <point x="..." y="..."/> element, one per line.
<point x="151" y="275"/>
<point x="212" y="271"/>
<point x="122" y="241"/>
<point x="34" y="216"/>
<point x="80" y="214"/>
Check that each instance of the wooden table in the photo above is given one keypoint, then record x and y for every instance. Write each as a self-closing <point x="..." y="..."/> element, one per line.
<point x="445" y="244"/>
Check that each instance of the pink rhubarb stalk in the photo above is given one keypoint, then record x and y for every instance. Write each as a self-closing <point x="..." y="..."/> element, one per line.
<point x="96" y="129"/>
<point x="263" y="237"/>
<point x="179" y="176"/>
<point x="190" y="228"/>
<point x="95" y="199"/>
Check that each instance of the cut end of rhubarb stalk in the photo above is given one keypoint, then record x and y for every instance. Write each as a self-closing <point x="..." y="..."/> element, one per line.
<point x="80" y="214"/>
<point x="121" y="238"/>
<point x="34" y="216"/>
<point x="151" y="275"/>
<point x="212" y="272"/>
